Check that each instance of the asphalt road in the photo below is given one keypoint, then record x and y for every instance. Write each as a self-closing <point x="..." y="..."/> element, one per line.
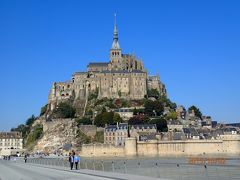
<point x="10" y="170"/>
<point x="20" y="171"/>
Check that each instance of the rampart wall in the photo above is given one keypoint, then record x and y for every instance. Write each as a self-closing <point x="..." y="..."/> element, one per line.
<point x="226" y="145"/>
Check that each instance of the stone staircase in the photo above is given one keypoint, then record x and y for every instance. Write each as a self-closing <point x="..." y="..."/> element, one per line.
<point x="80" y="105"/>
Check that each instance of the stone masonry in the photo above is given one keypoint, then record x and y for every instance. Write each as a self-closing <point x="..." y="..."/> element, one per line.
<point x="123" y="77"/>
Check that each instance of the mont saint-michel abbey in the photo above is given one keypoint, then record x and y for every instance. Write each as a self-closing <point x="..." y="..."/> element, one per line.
<point x="124" y="76"/>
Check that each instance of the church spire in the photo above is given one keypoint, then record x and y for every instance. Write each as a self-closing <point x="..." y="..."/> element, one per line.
<point x="115" y="44"/>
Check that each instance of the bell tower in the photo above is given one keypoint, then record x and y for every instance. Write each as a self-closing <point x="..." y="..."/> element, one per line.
<point x="115" y="51"/>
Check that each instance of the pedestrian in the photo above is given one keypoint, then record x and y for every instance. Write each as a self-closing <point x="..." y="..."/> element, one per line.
<point x="76" y="160"/>
<point x="71" y="160"/>
<point x="25" y="158"/>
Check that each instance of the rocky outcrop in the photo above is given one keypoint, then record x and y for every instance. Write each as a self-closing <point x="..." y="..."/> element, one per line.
<point x="56" y="134"/>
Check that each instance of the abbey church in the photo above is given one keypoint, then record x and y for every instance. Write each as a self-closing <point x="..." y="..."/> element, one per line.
<point x="124" y="76"/>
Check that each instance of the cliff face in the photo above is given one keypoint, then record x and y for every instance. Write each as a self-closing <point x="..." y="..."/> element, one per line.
<point x="56" y="134"/>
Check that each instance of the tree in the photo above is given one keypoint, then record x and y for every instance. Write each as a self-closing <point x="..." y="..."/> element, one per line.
<point x="172" y="115"/>
<point x="64" y="110"/>
<point x="104" y="118"/>
<point x="98" y="121"/>
<point x="30" y="120"/>
<point x="137" y="111"/>
<point x="196" y="110"/>
<point x="117" y="118"/>
<point x="160" y="123"/>
<point x="110" y="104"/>
<point x="24" y="129"/>
<point x="104" y="110"/>
<point x="153" y="93"/>
<point x="43" y="110"/>
<point x="153" y="108"/>
<point x="138" y="119"/>
<point x="34" y="135"/>
<point x="107" y="117"/>
<point x="37" y="131"/>
<point x="83" y="121"/>
<point x="168" y="103"/>
<point x="89" y="112"/>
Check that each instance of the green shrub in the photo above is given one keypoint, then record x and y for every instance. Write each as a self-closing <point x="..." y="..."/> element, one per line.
<point x="64" y="110"/>
<point x="43" y="110"/>
<point x="99" y="137"/>
<point x="83" y="121"/>
<point x="34" y="135"/>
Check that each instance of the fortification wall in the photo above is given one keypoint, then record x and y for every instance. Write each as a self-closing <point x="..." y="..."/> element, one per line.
<point x="101" y="150"/>
<point x="231" y="144"/>
<point x="190" y="147"/>
<point x="226" y="145"/>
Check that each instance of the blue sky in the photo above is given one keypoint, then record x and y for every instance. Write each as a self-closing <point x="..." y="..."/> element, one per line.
<point x="193" y="45"/>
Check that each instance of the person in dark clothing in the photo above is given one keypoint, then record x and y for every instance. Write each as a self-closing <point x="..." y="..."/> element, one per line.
<point x="71" y="160"/>
<point x="25" y="158"/>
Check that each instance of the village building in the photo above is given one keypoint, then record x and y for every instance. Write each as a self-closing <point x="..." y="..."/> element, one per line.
<point x="143" y="130"/>
<point x="10" y="142"/>
<point x="124" y="113"/>
<point x="116" y="134"/>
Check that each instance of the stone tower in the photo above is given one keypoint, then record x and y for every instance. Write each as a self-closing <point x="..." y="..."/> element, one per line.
<point x="115" y="51"/>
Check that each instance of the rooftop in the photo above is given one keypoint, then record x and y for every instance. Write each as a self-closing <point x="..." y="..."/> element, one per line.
<point x="116" y="127"/>
<point x="124" y="71"/>
<point x="10" y="135"/>
<point x="144" y="126"/>
<point x="98" y="64"/>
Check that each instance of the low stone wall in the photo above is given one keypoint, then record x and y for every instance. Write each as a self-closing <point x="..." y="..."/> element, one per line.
<point x="90" y="150"/>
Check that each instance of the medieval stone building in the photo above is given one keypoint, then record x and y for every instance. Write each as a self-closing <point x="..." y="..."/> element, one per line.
<point x="124" y="76"/>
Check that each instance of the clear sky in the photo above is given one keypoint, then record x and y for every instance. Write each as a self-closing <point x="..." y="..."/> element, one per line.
<point x="193" y="45"/>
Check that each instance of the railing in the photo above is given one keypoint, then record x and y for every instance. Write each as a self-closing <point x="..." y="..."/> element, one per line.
<point x="165" y="168"/>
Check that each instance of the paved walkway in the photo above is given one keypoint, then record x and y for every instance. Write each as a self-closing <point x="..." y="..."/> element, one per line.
<point x="20" y="171"/>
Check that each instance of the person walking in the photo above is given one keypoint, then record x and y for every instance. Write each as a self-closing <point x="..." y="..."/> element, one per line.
<point x="71" y="160"/>
<point x="25" y="158"/>
<point x="76" y="160"/>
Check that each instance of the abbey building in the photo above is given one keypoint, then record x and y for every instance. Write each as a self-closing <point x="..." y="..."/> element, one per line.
<point x="123" y="76"/>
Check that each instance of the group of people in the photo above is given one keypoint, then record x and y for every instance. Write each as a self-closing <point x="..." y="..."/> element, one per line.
<point x="73" y="159"/>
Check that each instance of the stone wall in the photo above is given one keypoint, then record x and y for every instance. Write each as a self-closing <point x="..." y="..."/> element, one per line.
<point x="226" y="145"/>
<point x="89" y="130"/>
<point x="90" y="150"/>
